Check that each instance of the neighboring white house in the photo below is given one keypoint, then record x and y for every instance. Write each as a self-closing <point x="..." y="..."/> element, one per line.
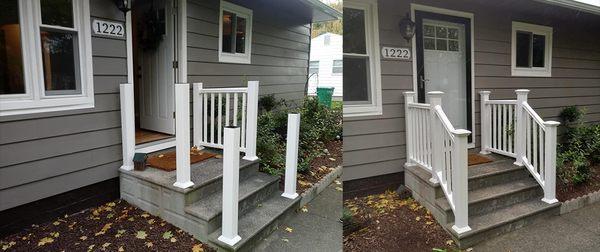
<point x="326" y="63"/>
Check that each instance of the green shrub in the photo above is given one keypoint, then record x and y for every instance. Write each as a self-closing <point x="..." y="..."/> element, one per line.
<point x="573" y="167"/>
<point x="318" y="124"/>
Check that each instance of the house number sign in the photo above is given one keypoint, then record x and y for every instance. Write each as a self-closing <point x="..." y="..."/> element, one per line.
<point x="395" y="53"/>
<point x="106" y="28"/>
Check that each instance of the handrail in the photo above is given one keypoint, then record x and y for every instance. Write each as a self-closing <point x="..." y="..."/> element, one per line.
<point x="533" y="114"/>
<point x="511" y="102"/>
<point x="223" y="90"/>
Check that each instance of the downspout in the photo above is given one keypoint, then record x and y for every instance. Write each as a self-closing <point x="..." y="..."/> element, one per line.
<point x="308" y="61"/>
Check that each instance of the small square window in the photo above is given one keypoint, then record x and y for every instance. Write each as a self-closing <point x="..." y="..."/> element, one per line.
<point x="441" y="32"/>
<point x="441" y="44"/>
<point x="235" y="33"/>
<point x="429" y="43"/>
<point x="452" y="33"/>
<point x="453" y="45"/>
<point x="531" y="50"/>
<point x="313" y="67"/>
<point x="428" y="31"/>
<point x="338" y="67"/>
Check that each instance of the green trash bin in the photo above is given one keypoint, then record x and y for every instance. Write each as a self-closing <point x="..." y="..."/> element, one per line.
<point x="324" y="94"/>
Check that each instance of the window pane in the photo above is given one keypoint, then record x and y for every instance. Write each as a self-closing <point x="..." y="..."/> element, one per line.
<point x="59" y="57"/>
<point x="523" y="49"/>
<point x="356" y="80"/>
<point x="441" y="44"/>
<point x="428" y="31"/>
<point x="429" y="43"/>
<point x="57" y="12"/>
<point x="240" y="35"/>
<point x="227" y="40"/>
<point x="337" y="66"/>
<point x="313" y="67"/>
<point x="441" y="32"/>
<point x="453" y="33"/>
<point x="539" y="45"/>
<point x="354" y="31"/>
<point x="453" y="45"/>
<point x="11" y="60"/>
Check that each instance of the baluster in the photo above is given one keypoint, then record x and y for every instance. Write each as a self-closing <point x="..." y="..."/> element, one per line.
<point x="541" y="133"/>
<point x="219" y="123"/>
<point x="243" y="119"/>
<point x="504" y="127"/>
<point x="534" y="137"/>
<point x="511" y="127"/>
<point x="212" y="118"/>
<point x="494" y="126"/>
<point x="235" y="112"/>
<point x="227" y="98"/>
<point x="205" y="118"/>
<point x="528" y="136"/>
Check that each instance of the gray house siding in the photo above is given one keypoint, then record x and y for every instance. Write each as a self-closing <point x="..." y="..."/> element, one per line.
<point x="45" y="154"/>
<point x="375" y="145"/>
<point x="280" y="49"/>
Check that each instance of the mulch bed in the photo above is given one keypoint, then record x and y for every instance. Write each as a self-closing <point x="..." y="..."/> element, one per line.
<point x="115" y="226"/>
<point x="166" y="160"/>
<point x="319" y="167"/>
<point x="567" y="191"/>
<point x="389" y="223"/>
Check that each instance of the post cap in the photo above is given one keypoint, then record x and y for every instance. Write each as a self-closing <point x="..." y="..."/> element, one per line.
<point x="125" y="84"/>
<point x="485" y="92"/>
<point x="522" y="91"/>
<point x="186" y="84"/>
<point x="461" y="132"/>
<point x="408" y="93"/>
<point x="551" y="123"/>
<point x="435" y="93"/>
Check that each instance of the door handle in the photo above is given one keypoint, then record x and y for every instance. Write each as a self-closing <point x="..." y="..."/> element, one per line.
<point x="423" y="81"/>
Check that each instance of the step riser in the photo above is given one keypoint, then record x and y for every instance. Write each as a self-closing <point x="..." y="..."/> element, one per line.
<point x="509" y="227"/>
<point x="246" y="204"/>
<point x="492" y="204"/>
<point x="481" y="182"/>
<point x="217" y="184"/>
<point x="263" y="233"/>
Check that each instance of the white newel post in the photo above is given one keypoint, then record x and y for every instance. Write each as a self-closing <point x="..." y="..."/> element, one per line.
<point x="251" y="121"/>
<point x="127" y="125"/>
<point x="197" y="114"/>
<point x="485" y="122"/>
<point x="550" y="162"/>
<point x="291" y="156"/>
<point x="520" y="126"/>
<point x="182" y="135"/>
<point x="437" y="152"/>
<point x="231" y="179"/>
<point x="460" y="193"/>
<point x="409" y="97"/>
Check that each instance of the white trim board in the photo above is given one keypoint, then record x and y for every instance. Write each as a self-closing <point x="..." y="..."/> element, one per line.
<point x="155" y="146"/>
<point x="418" y="7"/>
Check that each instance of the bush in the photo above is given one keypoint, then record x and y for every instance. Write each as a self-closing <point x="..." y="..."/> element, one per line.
<point x="318" y="125"/>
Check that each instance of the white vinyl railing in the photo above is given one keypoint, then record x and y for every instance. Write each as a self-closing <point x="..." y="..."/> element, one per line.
<point x="434" y="144"/>
<point x="519" y="132"/>
<point x="216" y="108"/>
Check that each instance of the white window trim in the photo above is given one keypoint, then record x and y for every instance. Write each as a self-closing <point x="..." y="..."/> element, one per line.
<point x="241" y="58"/>
<point x="34" y="100"/>
<point x="375" y="108"/>
<point x="545" y="71"/>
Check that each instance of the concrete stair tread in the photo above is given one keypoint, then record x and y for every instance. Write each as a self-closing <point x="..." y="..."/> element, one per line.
<point x="492" y="168"/>
<point x="256" y="220"/>
<point x="504" y="216"/>
<point x="491" y="192"/>
<point x="210" y="207"/>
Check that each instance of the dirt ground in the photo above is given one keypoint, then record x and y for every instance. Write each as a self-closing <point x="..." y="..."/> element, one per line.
<point x="115" y="226"/>
<point x="319" y="167"/>
<point x="386" y="222"/>
<point x="566" y="192"/>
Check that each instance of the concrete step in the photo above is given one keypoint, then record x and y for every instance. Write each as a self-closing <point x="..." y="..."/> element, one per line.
<point x="252" y="191"/>
<point x="486" y="199"/>
<point x="504" y="220"/>
<point x="494" y="173"/>
<point x="258" y="223"/>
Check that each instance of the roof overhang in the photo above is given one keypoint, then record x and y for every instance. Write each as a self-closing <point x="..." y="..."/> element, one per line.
<point x="322" y="12"/>
<point x="576" y="5"/>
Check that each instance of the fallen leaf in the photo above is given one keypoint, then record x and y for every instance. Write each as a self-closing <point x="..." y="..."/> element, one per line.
<point x="131" y="219"/>
<point x="151" y="221"/>
<point x="141" y="235"/>
<point x="449" y="242"/>
<point x="167" y="235"/>
<point x="111" y="204"/>
<point x="105" y="245"/>
<point x="289" y="229"/>
<point x="339" y="189"/>
<point x="45" y="241"/>
<point x="161" y="155"/>
<point x="418" y="218"/>
<point x="56" y="223"/>
<point x="332" y="159"/>
<point x="285" y="240"/>
<point x="337" y="182"/>
<point x="469" y="249"/>
<point x="54" y="234"/>
<point x="9" y="245"/>
<point x="83" y="238"/>
<point x="197" y="248"/>
<point x="120" y="233"/>
<point x="429" y="222"/>
<point x="91" y="247"/>
<point x="173" y="239"/>
<point x="105" y="228"/>
<point x="121" y="249"/>
<point x="149" y="244"/>
<point x="145" y="215"/>
<point x="304" y="209"/>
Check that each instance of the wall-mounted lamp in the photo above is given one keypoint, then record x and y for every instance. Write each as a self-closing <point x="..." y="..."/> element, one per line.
<point x="407" y="28"/>
<point x="123" y="5"/>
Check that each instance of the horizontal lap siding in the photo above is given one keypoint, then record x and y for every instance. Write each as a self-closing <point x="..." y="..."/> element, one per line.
<point x="375" y="145"/>
<point x="46" y="154"/>
<point x="279" y="53"/>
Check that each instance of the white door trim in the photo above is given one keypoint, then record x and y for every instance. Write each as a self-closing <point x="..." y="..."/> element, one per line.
<point x="414" y="7"/>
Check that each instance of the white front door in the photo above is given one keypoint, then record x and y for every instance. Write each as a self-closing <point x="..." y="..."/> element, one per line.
<point x="444" y="64"/>
<point x="157" y="104"/>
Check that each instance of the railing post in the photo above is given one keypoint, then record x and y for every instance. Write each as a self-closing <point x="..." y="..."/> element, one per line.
<point x="182" y="135"/>
<point x="231" y="180"/>
<point x="127" y="125"/>
<point x="485" y="122"/>
<point x="435" y="133"/>
<point x="409" y="97"/>
<point x="550" y="162"/>
<point x="291" y="156"/>
<point x="460" y="193"/>
<point x="520" y="126"/>
<point x="251" y="121"/>
<point x="197" y="103"/>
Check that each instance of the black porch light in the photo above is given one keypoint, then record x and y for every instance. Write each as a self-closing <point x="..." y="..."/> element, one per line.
<point x="407" y="28"/>
<point x="123" y="5"/>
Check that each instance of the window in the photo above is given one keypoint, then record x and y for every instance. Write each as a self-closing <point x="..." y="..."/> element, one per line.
<point x="440" y="38"/>
<point x="338" y="67"/>
<point x="531" y="50"/>
<point x="362" y="78"/>
<point x="45" y="53"/>
<point x="313" y="68"/>
<point x="235" y="33"/>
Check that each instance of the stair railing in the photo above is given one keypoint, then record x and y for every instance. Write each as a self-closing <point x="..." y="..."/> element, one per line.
<point x="517" y="131"/>
<point x="434" y="144"/>
<point x="216" y="108"/>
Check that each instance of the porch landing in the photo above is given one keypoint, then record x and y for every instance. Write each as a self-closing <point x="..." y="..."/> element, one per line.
<point x="197" y="209"/>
